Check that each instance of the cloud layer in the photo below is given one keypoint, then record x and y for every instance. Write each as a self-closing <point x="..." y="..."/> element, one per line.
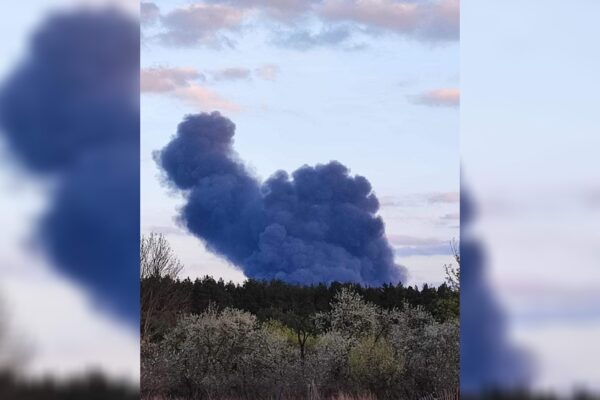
<point x="216" y="22"/>
<point x="423" y="20"/>
<point x="201" y="24"/>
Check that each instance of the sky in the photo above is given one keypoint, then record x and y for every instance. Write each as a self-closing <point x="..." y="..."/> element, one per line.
<point x="372" y="84"/>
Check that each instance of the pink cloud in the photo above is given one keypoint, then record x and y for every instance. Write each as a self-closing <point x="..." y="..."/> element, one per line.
<point x="205" y="99"/>
<point x="160" y="80"/>
<point x="449" y="97"/>
<point x="182" y="83"/>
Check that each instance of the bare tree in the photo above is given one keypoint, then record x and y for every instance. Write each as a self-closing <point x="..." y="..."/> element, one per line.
<point x="158" y="263"/>
<point x="157" y="258"/>
<point x="453" y="271"/>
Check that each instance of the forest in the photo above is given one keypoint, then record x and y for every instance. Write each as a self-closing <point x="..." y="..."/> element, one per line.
<point x="208" y="339"/>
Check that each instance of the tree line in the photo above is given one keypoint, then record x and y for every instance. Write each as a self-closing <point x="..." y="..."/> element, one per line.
<point x="211" y="339"/>
<point x="167" y="297"/>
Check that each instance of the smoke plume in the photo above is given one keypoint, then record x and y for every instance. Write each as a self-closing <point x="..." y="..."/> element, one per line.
<point x="70" y="112"/>
<point x="488" y="360"/>
<point x="318" y="225"/>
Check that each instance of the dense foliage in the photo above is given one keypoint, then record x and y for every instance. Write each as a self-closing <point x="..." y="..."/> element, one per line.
<point x="163" y="298"/>
<point x="209" y="339"/>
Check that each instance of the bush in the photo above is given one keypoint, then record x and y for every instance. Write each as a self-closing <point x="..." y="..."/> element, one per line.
<point x="356" y="348"/>
<point x="220" y="353"/>
<point x="375" y="366"/>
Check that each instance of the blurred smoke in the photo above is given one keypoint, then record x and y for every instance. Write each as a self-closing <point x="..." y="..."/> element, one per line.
<point x="529" y="144"/>
<point x="70" y="113"/>
<point x="319" y="225"/>
<point x="488" y="360"/>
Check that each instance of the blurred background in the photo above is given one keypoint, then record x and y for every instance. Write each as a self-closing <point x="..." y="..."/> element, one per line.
<point x="69" y="199"/>
<point x="529" y="206"/>
<point x="530" y="306"/>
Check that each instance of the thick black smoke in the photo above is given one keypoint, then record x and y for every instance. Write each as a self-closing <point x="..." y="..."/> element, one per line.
<point x="319" y="225"/>
<point x="70" y="112"/>
<point x="488" y="361"/>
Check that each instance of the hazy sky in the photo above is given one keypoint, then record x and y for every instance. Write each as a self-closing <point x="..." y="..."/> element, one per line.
<point x="307" y="83"/>
<point x="529" y="142"/>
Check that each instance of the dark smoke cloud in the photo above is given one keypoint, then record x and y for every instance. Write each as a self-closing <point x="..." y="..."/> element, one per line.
<point x="488" y="360"/>
<point x="70" y="111"/>
<point x="318" y="225"/>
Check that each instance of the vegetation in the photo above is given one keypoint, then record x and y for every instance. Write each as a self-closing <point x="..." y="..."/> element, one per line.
<point x="165" y="298"/>
<point x="91" y="387"/>
<point x="207" y="339"/>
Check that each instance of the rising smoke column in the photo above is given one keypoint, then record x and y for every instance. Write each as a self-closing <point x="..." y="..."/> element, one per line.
<point x="318" y="225"/>
<point x="70" y="112"/>
<point x="488" y="360"/>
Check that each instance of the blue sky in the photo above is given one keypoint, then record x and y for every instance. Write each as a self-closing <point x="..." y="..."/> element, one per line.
<point x="382" y="100"/>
